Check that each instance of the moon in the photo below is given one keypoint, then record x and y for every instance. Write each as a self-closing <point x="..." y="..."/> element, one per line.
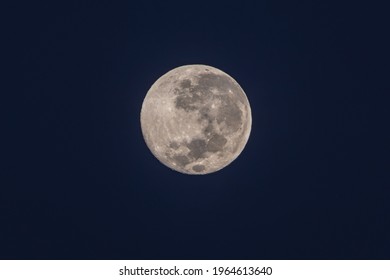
<point x="196" y="119"/>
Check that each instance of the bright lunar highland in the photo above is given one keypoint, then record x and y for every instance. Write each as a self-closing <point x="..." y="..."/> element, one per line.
<point x="196" y="119"/>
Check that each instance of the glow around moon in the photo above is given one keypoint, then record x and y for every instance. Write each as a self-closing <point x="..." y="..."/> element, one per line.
<point x="196" y="119"/>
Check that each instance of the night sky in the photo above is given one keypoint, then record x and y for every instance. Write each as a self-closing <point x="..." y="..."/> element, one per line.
<point x="78" y="181"/>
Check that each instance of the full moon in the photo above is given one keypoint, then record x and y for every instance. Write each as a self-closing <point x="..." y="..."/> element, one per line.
<point x="196" y="119"/>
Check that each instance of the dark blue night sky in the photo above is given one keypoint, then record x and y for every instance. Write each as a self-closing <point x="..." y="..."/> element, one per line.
<point x="78" y="181"/>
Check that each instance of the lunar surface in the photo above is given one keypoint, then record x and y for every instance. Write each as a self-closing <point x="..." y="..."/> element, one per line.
<point x="196" y="119"/>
